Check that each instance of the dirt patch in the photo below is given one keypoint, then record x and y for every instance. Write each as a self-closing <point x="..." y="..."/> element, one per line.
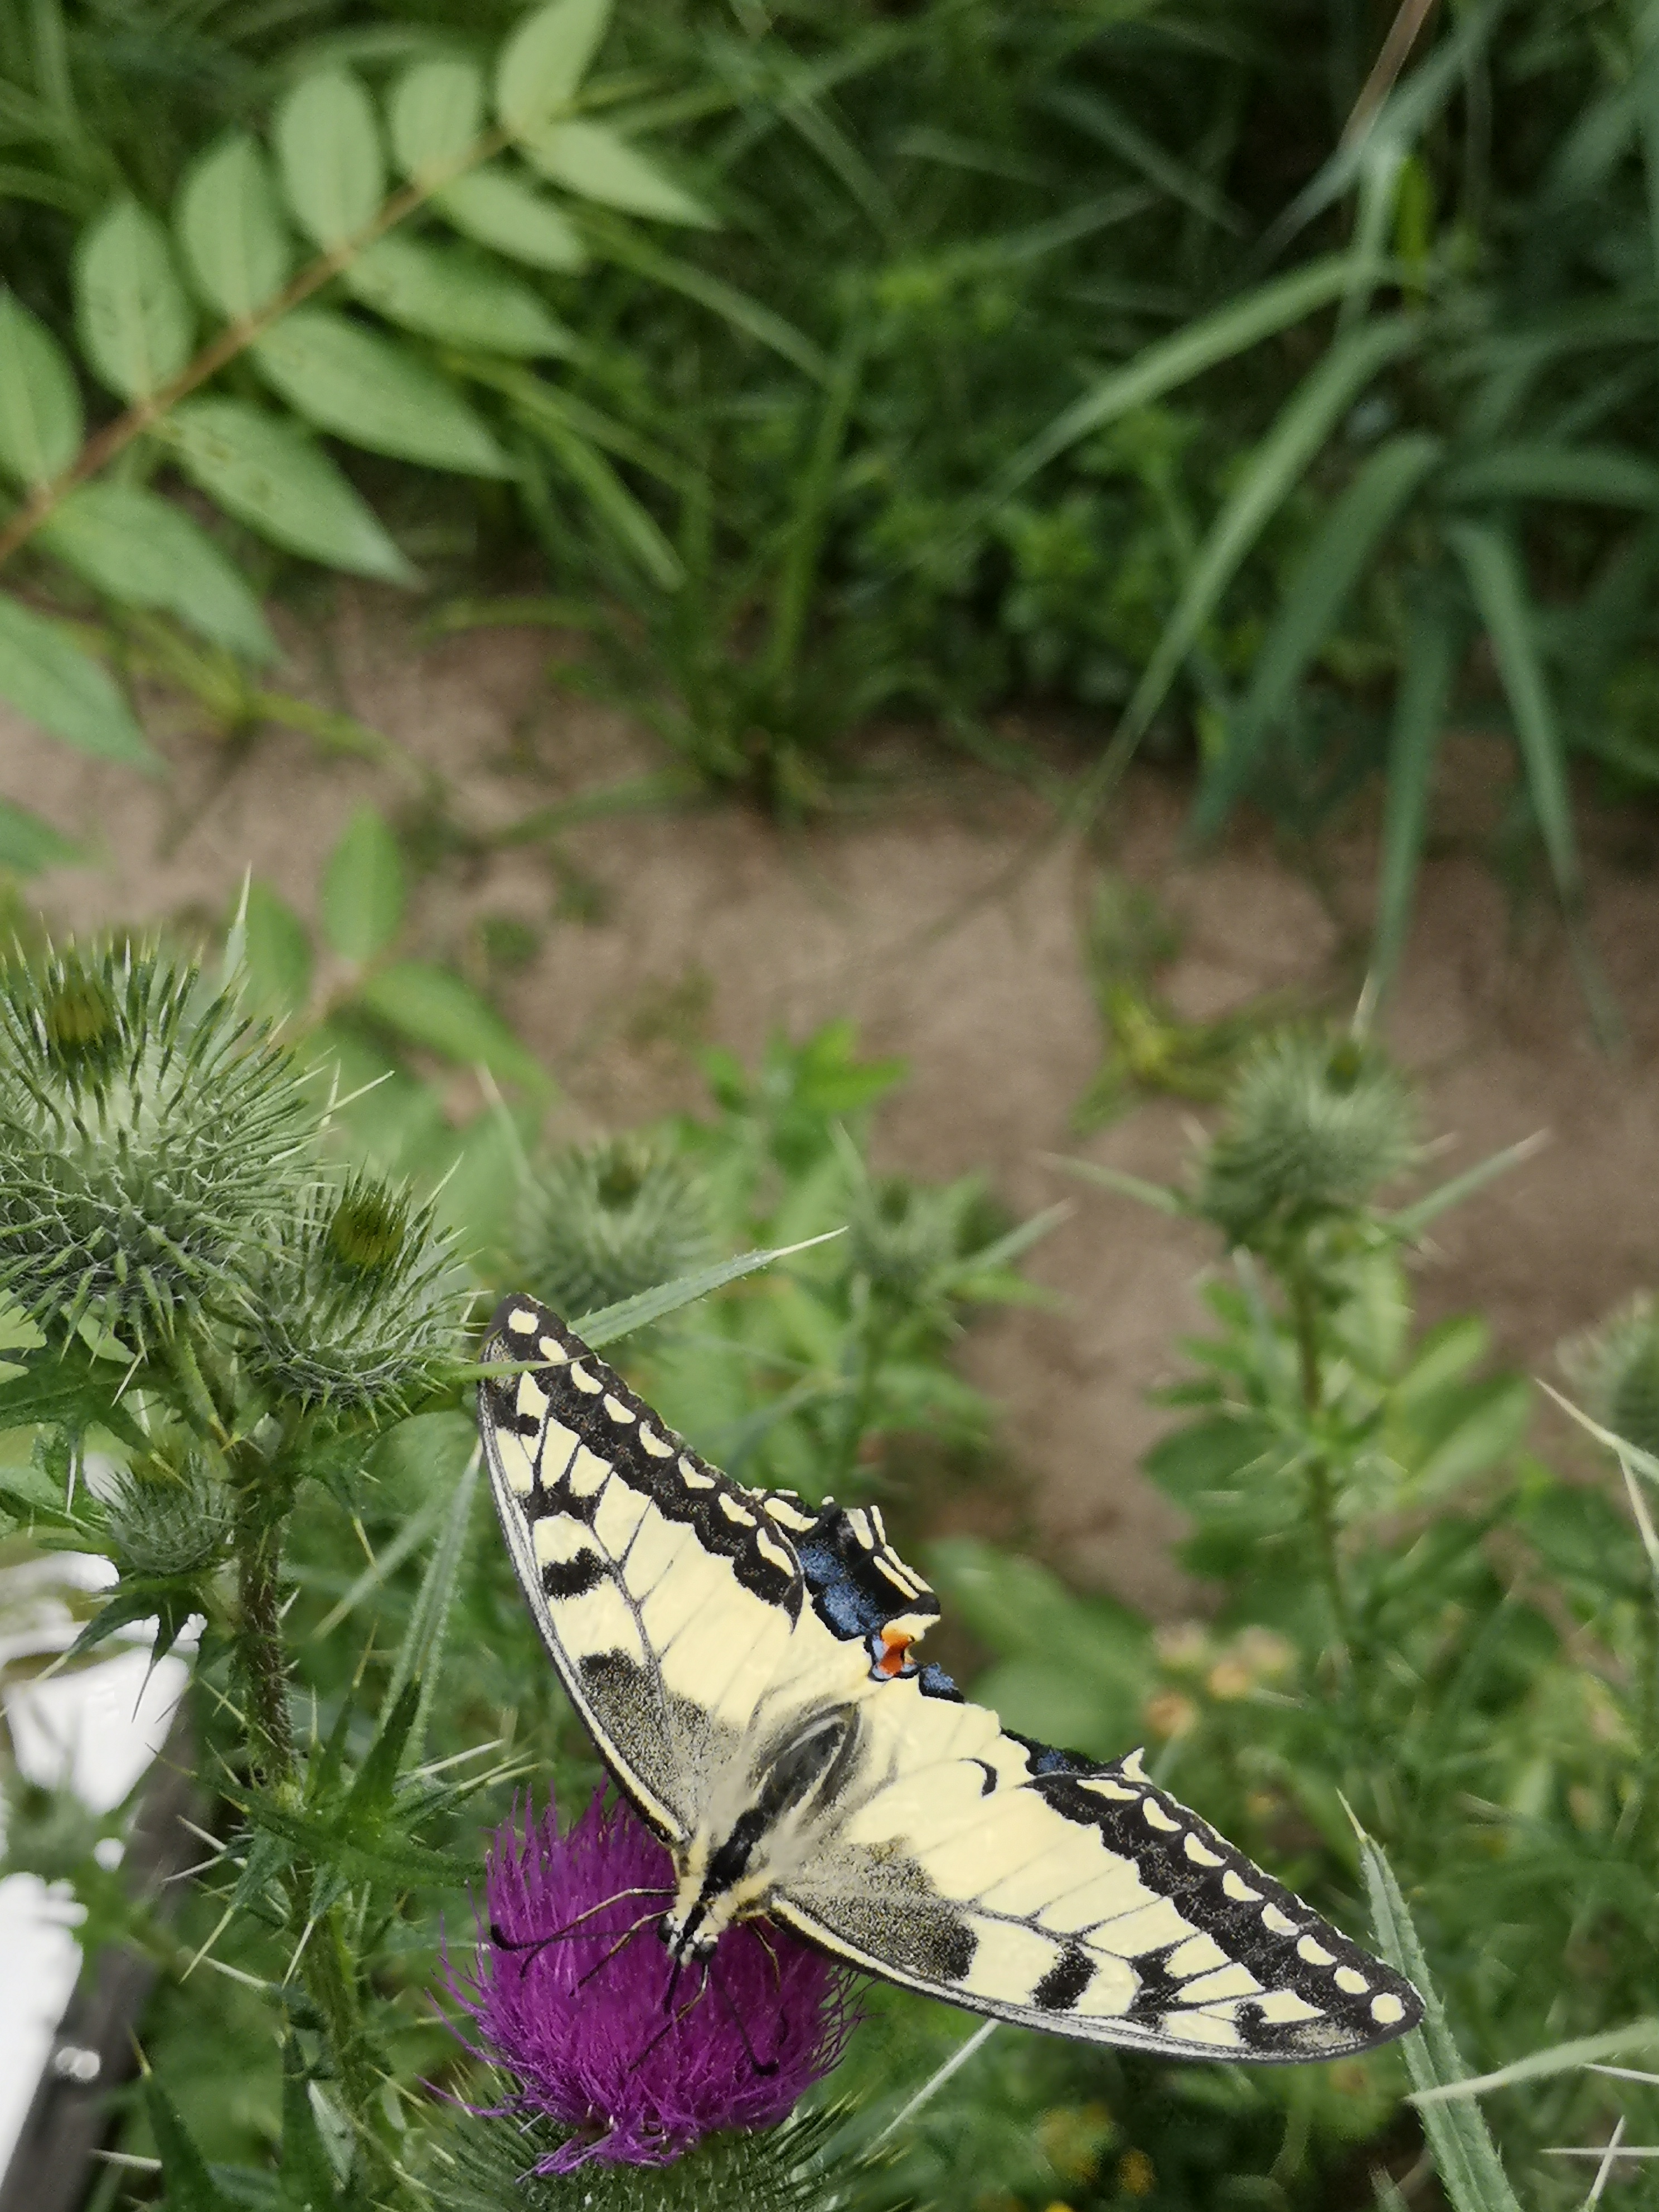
<point x="907" y="919"/>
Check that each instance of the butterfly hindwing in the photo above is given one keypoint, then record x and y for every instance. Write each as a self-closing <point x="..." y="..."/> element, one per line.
<point x="691" y="1619"/>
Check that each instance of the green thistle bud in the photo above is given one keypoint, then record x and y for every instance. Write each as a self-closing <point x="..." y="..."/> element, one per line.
<point x="143" y="1135"/>
<point x="605" y="1221"/>
<point x="904" y="1234"/>
<point x="1615" y="1368"/>
<point x="357" y="1302"/>
<point x="1314" y="1126"/>
<point x="166" y="1521"/>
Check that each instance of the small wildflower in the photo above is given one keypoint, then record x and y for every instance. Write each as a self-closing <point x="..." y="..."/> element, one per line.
<point x="606" y="1221"/>
<point x="591" y="2026"/>
<point x="357" y="1302"/>
<point x="144" y="1136"/>
<point x="1136" y="2175"/>
<point x="1169" y="1714"/>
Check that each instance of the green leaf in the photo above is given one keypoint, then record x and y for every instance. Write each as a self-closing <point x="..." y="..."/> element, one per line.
<point x="608" y="1323"/>
<point x="544" y="61"/>
<point x="329" y="144"/>
<point x="136" y="325"/>
<point x="367" y="389"/>
<point x="28" y="844"/>
<point x="277" y="960"/>
<point x="542" y="408"/>
<point x="437" y="113"/>
<point x="621" y="243"/>
<point x="1433" y="651"/>
<point x="190" y="2187"/>
<point x="267" y="476"/>
<point x="500" y="210"/>
<point x="1606" y="475"/>
<point x="390" y="1858"/>
<point x="598" y="162"/>
<point x="65" y="691"/>
<point x="363" y="889"/>
<point x="1411" y="1220"/>
<point x="1465" y="2158"/>
<point x="1338" y="556"/>
<point x="430" y="1006"/>
<point x="230" y="223"/>
<point x="454" y="295"/>
<point x="39" y="406"/>
<point x="421" y="1653"/>
<point x="306" y="2175"/>
<point x="146" y="552"/>
<point x="1302" y="425"/>
<point x="1173" y="362"/>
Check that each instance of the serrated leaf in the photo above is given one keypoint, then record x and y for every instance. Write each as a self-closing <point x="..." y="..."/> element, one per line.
<point x="365" y="388"/>
<point x="275" y="953"/>
<point x="415" y="1671"/>
<point x="607" y="1324"/>
<point x="392" y="1858"/>
<point x="500" y="210"/>
<point x="280" y="483"/>
<point x="307" y="2177"/>
<point x="28" y="844"/>
<point x="230" y="223"/>
<point x="136" y="321"/>
<point x="41" y="422"/>
<point x="64" y="689"/>
<point x="52" y="1394"/>
<point x="430" y="1006"/>
<point x="329" y="144"/>
<point x="437" y="113"/>
<point x="167" y="1604"/>
<point x="600" y="164"/>
<point x="190" y="2187"/>
<point x="454" y="295"/>
<point x="145" y="552"/>
<point x="363" y="889"/>
<point x="544" y="61"/>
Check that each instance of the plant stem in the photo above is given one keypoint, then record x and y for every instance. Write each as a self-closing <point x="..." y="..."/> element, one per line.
<point x="144" y="414"/>
<point x="259" y="1545"/>
<point x="1322" y="1501"/>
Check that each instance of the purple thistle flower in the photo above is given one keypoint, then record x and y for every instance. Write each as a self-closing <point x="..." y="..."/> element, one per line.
<point x="582" y="2022"/>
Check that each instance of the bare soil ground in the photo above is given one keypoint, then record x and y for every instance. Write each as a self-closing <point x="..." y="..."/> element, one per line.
<point x="712" y="922"/>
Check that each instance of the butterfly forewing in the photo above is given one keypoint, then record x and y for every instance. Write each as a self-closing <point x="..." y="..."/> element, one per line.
<point x="693" y="1621"/>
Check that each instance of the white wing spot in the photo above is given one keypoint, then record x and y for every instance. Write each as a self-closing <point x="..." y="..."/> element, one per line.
<point x="530" y="1401"/>
<point x="898" y="1582"/>
<point x="1281" y="1923"/>
<point x="1200" y="1854"/>
<point x="588" y="1473"/>
<point x="584" y="1381"/>
<point x="734" y="1511"/>
<point x="770" y="1550"/>
<point x="1200" y="1954"/>
<point x="859" y="1522"/>
<point x="787" y="1514"/>
<point x="878" y="1524"/>
<point x="553" y="1351"/>
<point x="520" y="1322"/>
<point x="654" y="1444"/>
<point x="1234" y="1887"/>
<point x="616" y="1410"/>
<point x="1132" y="1767"/>
<point x="1316" y="1954"/>
<point x="1155" y="1816"/>
<point x="1351" y="1984"/>
<point x="695" y="1477"/>
<point x="1387" y="2010"/>
<point x="1102" y="1788"/>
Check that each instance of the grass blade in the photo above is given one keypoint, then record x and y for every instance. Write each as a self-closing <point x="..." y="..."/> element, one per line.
<point x="423" y="1640"/>
<point x="1336" y="559"/>
<point x="1497" y="584"/>
<point x="1432" y="653"/>
<point x="1642" y="2035"/>
<point x="1465" y="2156"/>
<point x="1411" y="1220"/>
<point x="605" y="1325"/>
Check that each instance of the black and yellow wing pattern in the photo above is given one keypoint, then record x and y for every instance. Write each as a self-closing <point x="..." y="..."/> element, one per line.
<point x="698" y="1624"/>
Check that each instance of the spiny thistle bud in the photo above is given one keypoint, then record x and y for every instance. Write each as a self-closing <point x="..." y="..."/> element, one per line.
<point x="143" y="1134"/>
<point x="1615" y="1369"/>
<point x="905" y="1235"/>
<point x="607" y="1220"/>
<point x="357" y="1301"/>
<point x="167" y="1521"/>
<point x="1314" y="1126"/>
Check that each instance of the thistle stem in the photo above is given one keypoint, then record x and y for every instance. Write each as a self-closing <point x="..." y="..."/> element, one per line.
<point x="1321" y="1497"/>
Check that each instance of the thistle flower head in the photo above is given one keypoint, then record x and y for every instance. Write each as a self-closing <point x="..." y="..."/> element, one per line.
<point x="166" y="1521"/>
<point x="1314" y="1125"/>
<point x="586" y="2025"/>
<point x="607" y="1220"/>
<point x="357" y="1301"/>
<point x="904" y="1234"/>
<point x="1615" y="1369"/>
<point x="143" y="1134"/>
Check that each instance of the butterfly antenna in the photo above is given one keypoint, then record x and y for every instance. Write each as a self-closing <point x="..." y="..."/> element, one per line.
<point x="503" y="1941"/>
<point x="764" y="2068"/>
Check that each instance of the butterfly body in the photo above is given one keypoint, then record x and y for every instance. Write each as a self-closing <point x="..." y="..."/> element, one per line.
<point x="746" y="1664"/>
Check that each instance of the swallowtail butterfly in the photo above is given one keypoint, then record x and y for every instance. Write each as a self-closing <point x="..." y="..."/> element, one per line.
<point x="747" y="1665"/>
